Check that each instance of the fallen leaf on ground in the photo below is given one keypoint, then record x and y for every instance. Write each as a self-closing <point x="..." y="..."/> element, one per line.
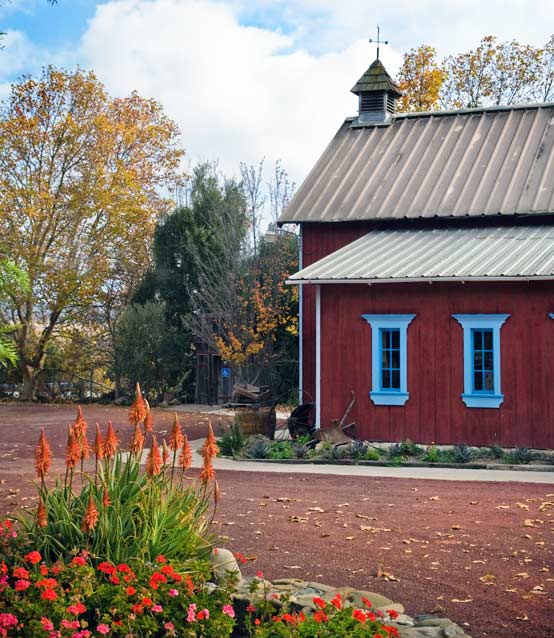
<point x="522" y="617"/>
<point x="461" y="600"/>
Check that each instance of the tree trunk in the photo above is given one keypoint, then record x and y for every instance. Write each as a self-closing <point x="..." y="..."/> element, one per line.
<point x="30" y="378"/>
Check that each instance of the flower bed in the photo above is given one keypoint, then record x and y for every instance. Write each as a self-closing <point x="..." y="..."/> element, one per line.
<point x="126" y="552"/>
<point x="307" y="450"/>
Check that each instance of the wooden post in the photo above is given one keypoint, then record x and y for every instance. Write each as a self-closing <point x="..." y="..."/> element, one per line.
<point x="318" y="357"/>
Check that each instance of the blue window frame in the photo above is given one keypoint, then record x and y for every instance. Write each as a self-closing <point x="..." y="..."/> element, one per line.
<point x="481" y="334"/>
<point x="389" y="358"/>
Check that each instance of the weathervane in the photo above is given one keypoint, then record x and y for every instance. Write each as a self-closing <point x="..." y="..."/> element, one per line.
<point x="378" y="41"/>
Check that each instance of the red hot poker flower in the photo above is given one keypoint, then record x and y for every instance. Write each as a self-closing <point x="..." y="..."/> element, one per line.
<point x="176" y="436"/>
<point x="154" y="460"/>
<point x="72" y="452"/>
<point x="148" y="420"/>
<point x="137" y="412"/>
<point x="43" y="456"/>
<point x="111" y="442"/>
<point x="185" y="459"/>
<point x="138" y="440"/>
<point x="91" y="516"/>
<point x="98" y="446"/>
<point x="208" y="473"/>
<point x="165" y="452"/>
<point x="42" y="519"/>
<point x="209" y="449"/>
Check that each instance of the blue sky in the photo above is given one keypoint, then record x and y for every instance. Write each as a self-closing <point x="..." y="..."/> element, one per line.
<point x="247" y="79"/>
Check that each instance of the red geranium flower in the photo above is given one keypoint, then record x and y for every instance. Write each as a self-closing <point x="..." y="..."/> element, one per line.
<point x="20" y="572"/>
<point x="49" y="594"/>
<point x="130" y="591"/>
<point x="32" y="557"/>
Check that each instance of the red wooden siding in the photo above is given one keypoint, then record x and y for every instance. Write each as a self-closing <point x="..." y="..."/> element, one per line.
<point x="435" y="411"/>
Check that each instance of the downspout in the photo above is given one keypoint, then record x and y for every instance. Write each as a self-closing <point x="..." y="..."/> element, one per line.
<point x="318" y="357"/>
<point x="300" y="326"/>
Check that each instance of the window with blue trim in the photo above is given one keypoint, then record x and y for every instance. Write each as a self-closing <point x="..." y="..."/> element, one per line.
<point x="483" y="360"/>
<point x="389" y="359"/>
<point x="481" y="337"/>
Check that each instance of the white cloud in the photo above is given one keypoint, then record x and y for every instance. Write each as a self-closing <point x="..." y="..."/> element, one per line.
<point x="238" y="92"/>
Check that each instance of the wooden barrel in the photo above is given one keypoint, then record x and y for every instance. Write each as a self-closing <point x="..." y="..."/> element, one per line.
<point x="257" y="421"/>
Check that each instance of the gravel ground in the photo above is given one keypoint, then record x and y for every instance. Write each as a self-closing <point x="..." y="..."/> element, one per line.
<point x="479" y="553"/>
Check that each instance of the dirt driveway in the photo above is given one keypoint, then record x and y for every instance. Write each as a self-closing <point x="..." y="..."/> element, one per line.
<point x="481" y="553"/>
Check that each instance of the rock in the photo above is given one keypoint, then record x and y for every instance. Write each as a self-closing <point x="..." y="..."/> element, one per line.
<point x="164" y="404"/>
<point x="377" y="600"/>
<point x="305" y="600"/>
<point x="321" y="587"/>
<point x="403" y="619"/>
<point x="224" y="564"/>
<point x="174" y="402"/>
<point x="432" y="622"/>
<point x="290" y="581"/>
<point x="453" y="631"/>
<point x="431" y="632"/>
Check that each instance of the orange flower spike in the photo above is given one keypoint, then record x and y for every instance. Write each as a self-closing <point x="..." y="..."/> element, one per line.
<point x="165" y="452"/>
<point x="176" y="435"/>
<point x="72" y="451"/>
<point x="210" y="449"/>
<point x="148" y="420"/>
<point x="106" y="502"/>
<point x="91" y="516"/>
<point x="154" y="460"/>
<point x="80" y="425"/>
<point x="138" y="440"/>
<point x="111" y="442"/>
<point x="137" y="412"/>
<point x="84" y="447"/>
<point x="98" y="446"/>
<point x="43" y="456"/>
<point x="208" y="473"/>
<point x="185" y="459"/>
<point x="42" y="519"/>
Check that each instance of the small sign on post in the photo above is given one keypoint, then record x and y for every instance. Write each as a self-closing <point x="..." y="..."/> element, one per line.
<point x="225" y="373"/>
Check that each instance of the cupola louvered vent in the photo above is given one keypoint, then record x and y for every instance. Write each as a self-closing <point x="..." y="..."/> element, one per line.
<point x="377" y="95"/>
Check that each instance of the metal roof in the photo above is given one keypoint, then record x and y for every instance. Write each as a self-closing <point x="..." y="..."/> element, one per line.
<point x="471" y="162"/>
<point x="500" y="253"/>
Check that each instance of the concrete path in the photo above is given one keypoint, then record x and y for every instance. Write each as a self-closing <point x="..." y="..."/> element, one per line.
<point x="439" y="474"/>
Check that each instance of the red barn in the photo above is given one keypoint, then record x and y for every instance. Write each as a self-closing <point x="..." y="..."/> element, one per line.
<point x="427" y="272"/>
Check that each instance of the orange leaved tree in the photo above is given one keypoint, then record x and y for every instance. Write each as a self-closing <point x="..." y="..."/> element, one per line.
<point x="80" y="189"/>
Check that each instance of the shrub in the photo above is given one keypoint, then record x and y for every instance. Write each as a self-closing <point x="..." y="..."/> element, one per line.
<point x="122" y="513"/>
<point x="495" y="452"/>
<point x="372" y="455"/>
<point x="331" y="452"/>
<point x="281" y="450"/>
<point x="232" y="441"/>
<point x="299" y="449"/>
<point x="519" y="456"/>
<point x="356" y="450"/>
<point x="257" y="447"/>
<point x="409" y="448"/>
<point x="432" y="454"/>
<point x="396" y="451"/>
<point x="461" y="453"/>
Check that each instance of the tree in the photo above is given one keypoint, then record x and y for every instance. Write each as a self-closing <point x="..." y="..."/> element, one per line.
<point x="12" y="280"/>
<point x="80" y="178"/>
<point x="492" y="74"/>
<point x="420" y="79"/>
<point x="148" y="348"/>
<point x="241" y="303"/>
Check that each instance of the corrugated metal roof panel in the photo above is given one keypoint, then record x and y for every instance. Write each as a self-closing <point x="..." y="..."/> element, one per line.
<point x="507" y="252"/>
<point x="444" y="164"/>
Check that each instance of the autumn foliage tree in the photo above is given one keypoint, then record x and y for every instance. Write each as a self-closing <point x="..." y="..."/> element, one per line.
<point x="80" y="178"/>
<point x="492" y="74"/>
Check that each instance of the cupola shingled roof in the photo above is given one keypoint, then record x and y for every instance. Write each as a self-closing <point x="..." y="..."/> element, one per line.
<point x="376" y="78"/>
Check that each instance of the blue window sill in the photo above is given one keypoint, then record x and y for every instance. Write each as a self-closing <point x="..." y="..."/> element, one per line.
<point x="389" y="398"/>
<point x="483" y="400"/>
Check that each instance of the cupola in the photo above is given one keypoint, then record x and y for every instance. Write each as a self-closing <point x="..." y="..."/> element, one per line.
<point x="377" y="94"/>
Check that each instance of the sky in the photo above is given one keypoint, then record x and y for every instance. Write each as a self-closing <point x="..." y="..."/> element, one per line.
<point x="250" y="79"/>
